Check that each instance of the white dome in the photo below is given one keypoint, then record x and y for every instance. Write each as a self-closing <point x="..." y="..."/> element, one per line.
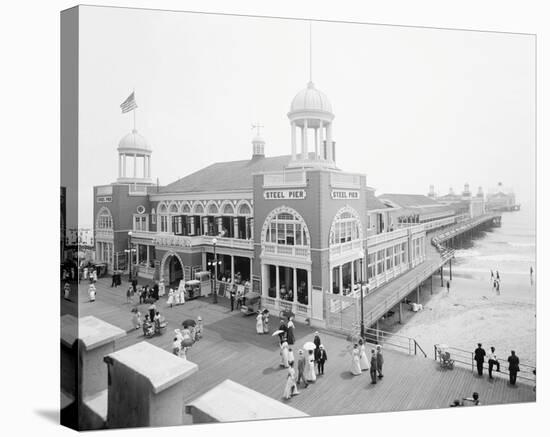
<point x="134" y="141"/>
<point x="310" y="99"/>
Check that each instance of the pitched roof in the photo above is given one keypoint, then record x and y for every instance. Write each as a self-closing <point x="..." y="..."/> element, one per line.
<point x="373" y="203"/>
<point x="226" y="176"/>
<point x="409" y="200"/>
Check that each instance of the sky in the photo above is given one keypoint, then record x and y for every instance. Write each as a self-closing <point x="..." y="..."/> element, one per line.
<point x="412" y="106"/>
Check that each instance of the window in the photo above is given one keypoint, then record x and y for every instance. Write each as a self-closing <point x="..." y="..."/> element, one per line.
<point x="104" y="219"/>
<point x="380" y="255"/>
<point x="345" y="227"/>
<point x="389" y="258"/>
<point x="228" y="209"/>
<point x="163" y="223"/>
<point x="244" y="209"/>
<point x="286" y="229"/>
<point x="140" y="222"/>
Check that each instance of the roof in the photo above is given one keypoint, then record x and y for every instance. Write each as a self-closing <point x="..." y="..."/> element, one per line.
<point x="373" y="203"/>
<point x="427" y="210"/>
<point x="310" y="99"/>
<point x="232" y="402"/>
<point x="93" y="332"/>
<point x="160" y="367"/>
<point x="409" y="200"/>
<point x="227" y="176"/>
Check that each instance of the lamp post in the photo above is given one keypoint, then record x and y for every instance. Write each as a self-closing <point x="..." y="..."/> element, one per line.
<point x="361" y="288"/>
<point x="129" y="255"/>
<point x="215" y="297"/>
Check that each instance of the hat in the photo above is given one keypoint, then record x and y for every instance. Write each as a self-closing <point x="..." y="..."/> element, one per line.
<point x="316" y="333"/>
<point x="378" y="347"/>
<point x="301" y="352"/>
<point x="321" y="347"/>
<point x="199" y="318"/>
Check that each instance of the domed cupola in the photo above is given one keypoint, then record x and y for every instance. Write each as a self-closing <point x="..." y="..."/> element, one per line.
<point x="134" y="159"/>
<point x="311" y="113"/>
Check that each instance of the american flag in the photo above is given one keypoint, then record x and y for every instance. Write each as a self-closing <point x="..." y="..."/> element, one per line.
<point x="129" y="104"/>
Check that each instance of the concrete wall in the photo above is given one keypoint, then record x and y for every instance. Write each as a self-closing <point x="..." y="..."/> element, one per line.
<point x="93" y="369"/>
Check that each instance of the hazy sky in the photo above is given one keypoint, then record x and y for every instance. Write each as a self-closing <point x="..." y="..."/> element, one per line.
<point x="413" y="106"/>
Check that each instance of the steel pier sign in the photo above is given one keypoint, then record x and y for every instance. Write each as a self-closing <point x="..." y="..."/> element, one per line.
<point x="284" y="194"/>
<point x="344" y="194"/>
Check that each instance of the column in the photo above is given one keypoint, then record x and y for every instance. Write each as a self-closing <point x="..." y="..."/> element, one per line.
<point x="295" y="284"/>
<point x="330" y="289"/>
<point x="418" y="294"/>
<point x="137" y="254"/>
<point x="220" y="225"/>
<point x="235" y="227"/>
<point x="400" y="311"/>
<point x="252" y="228"/>
<point x="149" y="166"/>
<point x="119" y="166"/>
<point x="192" y="225"/>
<point x="232" y="269"/>
<point x="302" y="130"/>
<point x="124" y="166"/>
<point x="293" y="139"/>
<point x="329" y="142"/>
<point x="251" y="271"/>
<point x="341" y="284"/>
<point x="148" y="260"/>
<point x="306" y="148"/>
<point x="309" y="287"/>
<point x="135" y="165"/>
<point x="204" y="225"/>
<point x="265" y="280"/>
<point x="277" y="282"/>
<point x="316" y="135"/>
<point x="352" y="274"/>
<point x="321" y="151"/>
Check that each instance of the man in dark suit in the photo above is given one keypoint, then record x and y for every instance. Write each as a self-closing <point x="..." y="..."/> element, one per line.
<point x="479" y="357"/>
<point x="321" y="357"/>
<point x="379" y="360"/>
<point x="284" y="328"/>
<point x="513" y="367"/>
<point x="373" y="366"/>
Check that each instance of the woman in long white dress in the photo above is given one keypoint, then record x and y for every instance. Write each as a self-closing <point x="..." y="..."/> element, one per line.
<point x="284" y="354"/>
<point x="176" y="297"/>
<point x="363" y="360"/>
<point x="162" y="288"/>
<point x="170" y="300"/>
<point x="91" y="293"/>
<point x="355" y="361"/>
<point x="290" y="385"/>
<point x="259" y="324"/>
<point x="310" y="367"/>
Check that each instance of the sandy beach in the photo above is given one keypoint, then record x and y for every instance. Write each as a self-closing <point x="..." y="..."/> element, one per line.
<point x="473" y="312"/>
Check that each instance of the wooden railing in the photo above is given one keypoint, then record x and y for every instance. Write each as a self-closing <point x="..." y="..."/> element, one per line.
<point x="466" y="359"/>
<point x="296" y="178"/>
<point x="281" y="249"/>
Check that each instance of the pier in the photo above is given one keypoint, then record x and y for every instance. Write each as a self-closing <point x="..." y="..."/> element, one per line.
<point x="406" y="288"/>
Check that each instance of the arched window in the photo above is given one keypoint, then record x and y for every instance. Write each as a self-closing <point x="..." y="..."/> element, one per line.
<point x="173" y="208"/>
<point x="104" y="219"/>
<point x="212" y="209"/>
<point x="346" y="226"/>
<point x="185" y="209"/>
<point x="228" y="209"/>
<point x="198" y="209"/>
<point x="162" y="225"/>
<point x="162" y="208"/>
<point x="244" y="209"/>
<point x="285" y="226"/>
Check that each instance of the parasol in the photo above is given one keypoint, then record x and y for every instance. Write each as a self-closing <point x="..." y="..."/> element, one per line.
<point x="309" y="346"/>
<point x="189" y="322"/>
<point x="277" y="332"/>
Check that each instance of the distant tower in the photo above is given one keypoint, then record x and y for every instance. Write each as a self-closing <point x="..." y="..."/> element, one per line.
<point x="479" y="192"/>
<point x="466" y="192"/>
<point x="451" y="191"/>
<point x="499" y="188"/>
<point x="431" y="193"/>
<point x="258" y="143"/>
<point x="134" y="159"/>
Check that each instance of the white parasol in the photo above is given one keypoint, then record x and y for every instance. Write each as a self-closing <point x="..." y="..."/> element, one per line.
<point x="277" y="332"/>
<point x="309" y="346"/>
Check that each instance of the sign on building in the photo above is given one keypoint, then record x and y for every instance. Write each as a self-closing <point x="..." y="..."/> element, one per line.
<point x="284" y="194"/>
<point x="344" y="194"/>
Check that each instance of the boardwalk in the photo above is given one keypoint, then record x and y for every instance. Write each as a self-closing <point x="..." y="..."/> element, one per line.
<point x="231" y="349"/>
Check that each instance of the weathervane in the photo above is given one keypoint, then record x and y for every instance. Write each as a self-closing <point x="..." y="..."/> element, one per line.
<point x="257" y="126"/>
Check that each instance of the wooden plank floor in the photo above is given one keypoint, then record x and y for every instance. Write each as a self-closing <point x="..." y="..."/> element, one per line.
<point x="231" y="349"/>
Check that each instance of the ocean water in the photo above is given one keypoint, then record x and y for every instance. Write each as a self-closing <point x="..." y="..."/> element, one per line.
<point x="473" y="311"/>
<point x="510" y="249"/>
